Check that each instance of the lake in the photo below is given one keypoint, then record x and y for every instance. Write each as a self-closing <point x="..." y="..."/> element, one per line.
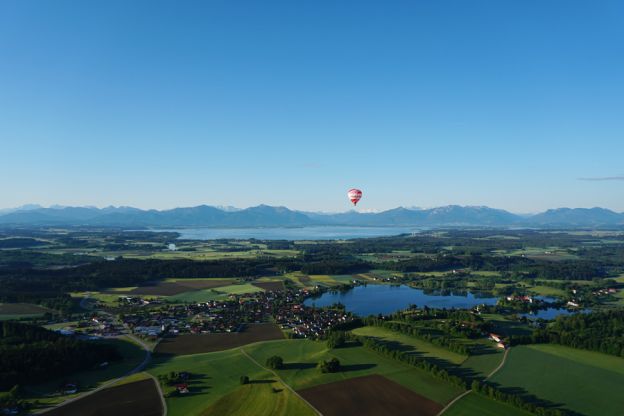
<point x="386" y="299"/>
<point x="551" y="313"/>
<point x="285" y="233"/>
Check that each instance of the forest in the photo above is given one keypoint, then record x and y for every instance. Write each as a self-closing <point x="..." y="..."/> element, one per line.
<point x="30" y="353"/>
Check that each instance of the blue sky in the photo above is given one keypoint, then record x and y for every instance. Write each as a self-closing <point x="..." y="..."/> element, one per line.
<point x="418" y="103"/>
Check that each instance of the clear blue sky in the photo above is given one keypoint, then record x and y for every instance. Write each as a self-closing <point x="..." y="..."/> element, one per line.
<point x="419" y="103"/>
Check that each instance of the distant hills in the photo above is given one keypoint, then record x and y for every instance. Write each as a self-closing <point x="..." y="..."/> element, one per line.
<point x="268" y="216"/>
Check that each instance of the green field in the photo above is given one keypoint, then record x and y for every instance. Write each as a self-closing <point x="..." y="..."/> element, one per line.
<point x="215" y="385"/>
<point x="481" y="365"/>
<point x="301" y="357"/>
<point x="419" y="347"/>
<point x="547" y="290"/>
<point x="583" y="381"/>
<point x="206" y="295"/>
<point x="260" y="399"/>
<point x="474" y="404"/>
<point x="21" y="310"/>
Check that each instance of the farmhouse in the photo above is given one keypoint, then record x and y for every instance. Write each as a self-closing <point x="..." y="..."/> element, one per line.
<point x="495" y="337"/>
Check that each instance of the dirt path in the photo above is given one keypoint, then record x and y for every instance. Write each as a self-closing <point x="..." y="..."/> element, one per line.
<point x="280" y="380"/>
<point x="502" y="363"/>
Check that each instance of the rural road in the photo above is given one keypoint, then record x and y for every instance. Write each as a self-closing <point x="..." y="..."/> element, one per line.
<point x="502" y="363"/>
<point x="280" y="380"/>
<point x="146" y="360"/>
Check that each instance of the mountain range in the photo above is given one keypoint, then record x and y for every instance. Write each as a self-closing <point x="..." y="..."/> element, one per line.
<point x="269" y="216"/>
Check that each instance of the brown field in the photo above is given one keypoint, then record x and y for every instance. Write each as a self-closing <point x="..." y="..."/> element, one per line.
<point x="269" y="286"/>
<point x="132" y="399"/>
<point x="368" y="396"/>
<point x="197" y="344"/>
<point x="21" y="309"/>
<point x="205" y="284"/>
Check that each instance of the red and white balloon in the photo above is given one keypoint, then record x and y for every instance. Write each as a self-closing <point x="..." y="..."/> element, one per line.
<point x="354" y="195"/>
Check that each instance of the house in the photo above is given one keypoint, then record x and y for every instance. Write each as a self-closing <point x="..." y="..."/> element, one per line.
<point x="182" y="388"/>
<point x="572" y="304"/>
<point x="501" y="345"/>
<point x="495" y="337"/>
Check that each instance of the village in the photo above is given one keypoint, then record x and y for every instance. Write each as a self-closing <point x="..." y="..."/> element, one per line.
<point x="284" y="308"/>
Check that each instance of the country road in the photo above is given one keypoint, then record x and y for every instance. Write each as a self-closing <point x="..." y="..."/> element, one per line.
<point x="140" y="367"/>
<point x="456" y="399"/>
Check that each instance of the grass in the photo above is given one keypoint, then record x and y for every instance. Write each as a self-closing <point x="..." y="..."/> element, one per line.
<point x="583" y="381"/>
<point x="260" y="399"/>
<point x="215" y="387"/>
<point x="547" y="291"/>
<point x="422" y="348"/>
<point x="301" y="357"/>
<point x="482" y="365"/>
<point x="10" y="311"/>
<point x="474" y="404"/>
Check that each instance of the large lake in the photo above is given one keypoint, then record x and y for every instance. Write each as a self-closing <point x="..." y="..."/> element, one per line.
<point x="284" y="233"/>
<point x="386" y="299"/>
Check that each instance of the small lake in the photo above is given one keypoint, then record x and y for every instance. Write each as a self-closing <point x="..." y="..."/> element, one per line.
<point x="551" y="313"/>
<point x="386" y="299"/>
<point x="285" y="233"/>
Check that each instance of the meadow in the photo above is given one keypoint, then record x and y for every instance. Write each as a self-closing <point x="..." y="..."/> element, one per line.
<point x="474" y="404"/>
<point x="301" y="356"/>
<point x="583" y="381"/>
<point x="419" y="347"/>
<point x="215" y="386"/>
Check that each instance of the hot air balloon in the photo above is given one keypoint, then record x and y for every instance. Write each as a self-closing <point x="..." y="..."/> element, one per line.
<point x="354" y="195"/>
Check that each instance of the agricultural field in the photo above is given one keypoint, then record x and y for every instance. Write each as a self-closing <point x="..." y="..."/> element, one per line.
<point x="482" y="364"/>
<point x="215" y="386"/>
<point x="412" y="345"/>
<point x="269" y="286"/>
<point x="21" y="310"/>
<point x="261" y="398"/>
<point x="478" y="365"/>
<point x="130" y="399"/>
<point x="369" y="396"/>
<point x="583" y="381"/>
<point x="196" y="344"/>
<point x="300" y="372"/>
<point x="474" y="404"/>
<point x="205" y="295"/>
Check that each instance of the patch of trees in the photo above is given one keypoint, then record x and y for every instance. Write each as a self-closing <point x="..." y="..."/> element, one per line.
<point x="329" y="366"/>
<point x="491" y="392"/>
<point x="420" y="333"/>
<point x="31" y="354"/>
<point x="569" y="270"/>
<point x="275" y="362"/>
<point x="132" y="272"/>
<point x="336" y="339"/>
<point x="337" y="266"/>
<point x="388" y="351"/>
<point x="20" y="242"/>
<point x="598" y="331"/>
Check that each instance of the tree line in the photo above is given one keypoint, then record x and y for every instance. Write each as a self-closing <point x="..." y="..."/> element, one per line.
<point x="598" y="331"/>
